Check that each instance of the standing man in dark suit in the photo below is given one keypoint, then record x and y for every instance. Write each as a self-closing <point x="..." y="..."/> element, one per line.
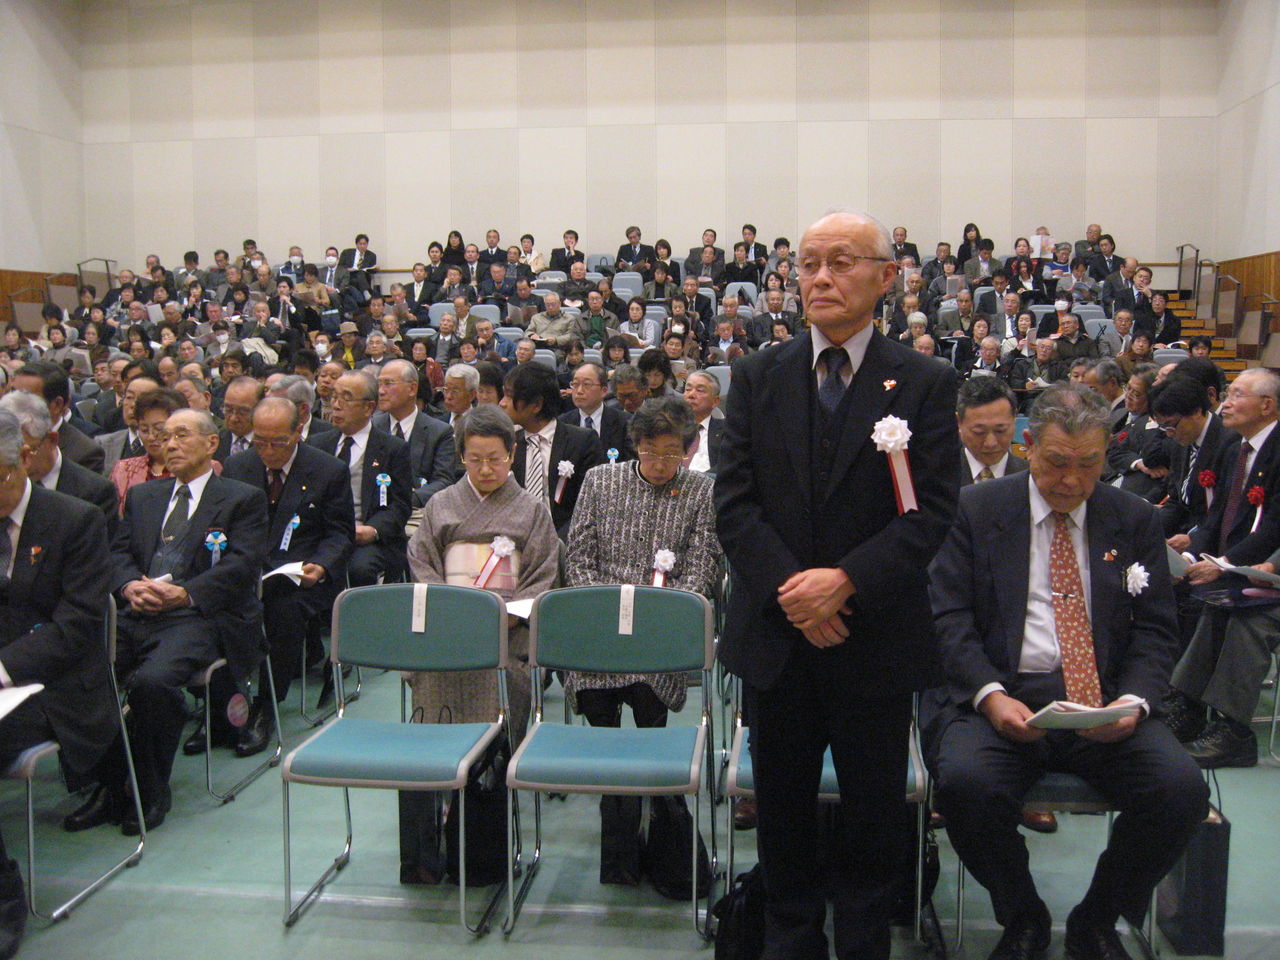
<point x="186" y="561"/>
<point x="828" y="622"/>
<point x="986" y="409"/>
<point x="1106" y="262"/>
<point x="552" y="457"/>
<point x="588" y="389"/>
<point x="362" y="266"/>
<point x="50" y="382"/>
<point x="901" y="248"/>
<point x="1057" y="588"/>
<point x="49" y="468"/>
<point x="380" y="480"/>
<point x="433" y="460"/>
<point x="311" y="520"/>
<point x="634" y="255"/>
<point x="53" y="588"/>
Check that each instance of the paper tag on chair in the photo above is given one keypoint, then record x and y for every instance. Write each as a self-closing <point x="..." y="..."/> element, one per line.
<point x="419" y="619"/>
<point x="626" y="609"/>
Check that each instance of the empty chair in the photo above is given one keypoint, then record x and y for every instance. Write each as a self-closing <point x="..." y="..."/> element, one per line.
<point x="514" y="334"/>
<point x="628" y="284"/>
<point x="1089" y="311"/>
<point x="744" y="291"/>
<point x="723" y="374"/>
<point x="599" y="262"/>
<point x="1096" y="327"/>
<point x="544" y="356"/>
<point x="592" y="355"/>
<point x="488" y="311"/>
<point x="594" y="277"/>
<point x="419" y="333"/>
<point x="1170" y="355"/>
<point x="637" y="353"/>
<point x="1041" y="310"/>
<point x="981" y="291"/>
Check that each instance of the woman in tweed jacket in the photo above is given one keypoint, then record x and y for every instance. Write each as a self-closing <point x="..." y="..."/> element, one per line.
<point x="627" y="515"/>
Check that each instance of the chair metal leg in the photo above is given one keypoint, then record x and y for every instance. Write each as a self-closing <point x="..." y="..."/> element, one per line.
<point x="482" y="926"/>
<point x="261" y="768"/>
<point x="314" y="719"/>
<point x="922" y="822"/>
<point x="1275" y="708"/>
<point x="959" y="904"/>
<point x="292" y="911"/>
<point x="516" y="896"/>
<point x="703" y="927"/>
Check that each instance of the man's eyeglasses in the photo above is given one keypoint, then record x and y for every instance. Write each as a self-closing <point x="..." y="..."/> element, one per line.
<point x="262" y="443"/>
<point x="1170" y="427"/>
<point x="348" y="397"/>
<point x="840" y="264"/>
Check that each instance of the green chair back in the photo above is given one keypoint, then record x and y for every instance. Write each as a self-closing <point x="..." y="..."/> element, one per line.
<point x="464" y="629"/>
<point x="576" y="628"/>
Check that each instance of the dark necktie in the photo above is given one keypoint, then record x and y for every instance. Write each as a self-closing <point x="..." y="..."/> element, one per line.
<point x="1191" y="472"/>
<point x="1238" y="482"/>
<point x="329" y="279"/>
<point x="176" y="522"/>
<point x="136" y="449"/>
<point x="238" y="444"/>
<point x="275" y="486"/>
<point x="6" y="551"/>
<point x="588" y="424"/>
<point x="832" y="389"/>
<point x="344" y="452"/>
<point x="398" y="432"/>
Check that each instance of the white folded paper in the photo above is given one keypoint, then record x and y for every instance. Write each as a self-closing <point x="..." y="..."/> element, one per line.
<point x="520" y="608"/>
<point x="1065" y="715"/>
<point x="1177" y="563"/>
<point x="1226" y="566"/>
<point x="12" y="697"/>
<point x="291" y="570"/>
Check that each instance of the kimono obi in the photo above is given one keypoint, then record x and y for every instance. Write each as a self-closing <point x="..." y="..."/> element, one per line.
<point x="463" y="561"/>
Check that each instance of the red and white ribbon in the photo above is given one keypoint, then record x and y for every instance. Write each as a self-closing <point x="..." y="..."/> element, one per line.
<point x="890" y="436"/>
<point x="500" y="549"/>
<point x="663" y="563"/>
<point x="565" y="469"/>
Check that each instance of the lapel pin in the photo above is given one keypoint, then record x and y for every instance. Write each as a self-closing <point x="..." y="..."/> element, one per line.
<point x="35" y="553"/>
<point x="890" y="384"/>
<point x="1109" y="555"/>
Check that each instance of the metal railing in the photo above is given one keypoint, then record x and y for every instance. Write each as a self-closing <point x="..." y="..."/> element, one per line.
<point x="1189" y="270"/>
<point x="99" y="273"/>
<point x="1227" y="302"/>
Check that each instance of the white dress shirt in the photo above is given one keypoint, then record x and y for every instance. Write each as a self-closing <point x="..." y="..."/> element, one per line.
<point x="701" y="461"/>
<point x="50" y="480"/>
<point x="976" y="466"/>
<point x="855" y="347"/>
<point x="195" y="488"/>
<point x="14" y="522"/>
<point x="596" y="415"/>
<point x="547" y="436"/>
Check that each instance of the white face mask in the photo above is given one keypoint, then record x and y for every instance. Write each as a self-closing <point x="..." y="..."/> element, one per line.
<point x="296" y="260"/>
<point x="322" y="349"/>
<point x="255" y="264"/>
<point x="222" y="338"/>
<point x="1060" y="305"/>
<point x="331" y="261"/>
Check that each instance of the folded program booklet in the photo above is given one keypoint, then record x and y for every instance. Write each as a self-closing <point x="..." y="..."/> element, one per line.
<point x="1065" y="715"/>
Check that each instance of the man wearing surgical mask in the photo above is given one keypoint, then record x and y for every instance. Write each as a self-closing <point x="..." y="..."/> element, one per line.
<point x="1050" y="323"/>
<point x="292" y="268"/>
<point x="337" y="280"/>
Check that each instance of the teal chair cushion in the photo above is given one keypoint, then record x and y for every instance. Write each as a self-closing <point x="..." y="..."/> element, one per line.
<point x="404" y="756"/>
<point x="1064" y="791"/>
<point x="577" y="759"/>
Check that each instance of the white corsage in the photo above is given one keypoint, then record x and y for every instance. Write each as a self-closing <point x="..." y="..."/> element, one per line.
<point x="565" y="469"/>
<point x="1136" y="579"/>
<point x="501" y="548"/>
<point x="664" y="562"/>
<point x="890" y="436"/>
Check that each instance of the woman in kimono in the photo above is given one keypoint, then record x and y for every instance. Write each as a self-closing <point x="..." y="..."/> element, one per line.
<point x="633" y="519"/>
<point x="460" y="525"/>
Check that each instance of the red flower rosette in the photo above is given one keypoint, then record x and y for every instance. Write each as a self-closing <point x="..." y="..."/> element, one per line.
<point x="1207" y="479"/>
<point x="1256" y="495"/>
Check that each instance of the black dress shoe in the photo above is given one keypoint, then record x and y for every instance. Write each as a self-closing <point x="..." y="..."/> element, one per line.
<point x="194" y="745"/>
<point x="153" y="813"/>
<point x="103" y="806"/>
<point x="1221" y="746"/>
<point x="1183" y="716"/>
<point x="1025" y="938"/>
<point x="1088" y="939"/>
<point x="13" y="909"/>
<point x="253" y="738"/>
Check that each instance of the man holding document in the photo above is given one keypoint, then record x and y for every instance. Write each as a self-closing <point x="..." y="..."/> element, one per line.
<point x="310" y="535"/>
<point x="1056" y="588"/>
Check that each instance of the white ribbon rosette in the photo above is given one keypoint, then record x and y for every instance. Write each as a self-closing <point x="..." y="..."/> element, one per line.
<point x="663" y="563"/>
<point x="1136" y="579"/>
<point x="890" y="436"/>
<point x="501" y="548"/>
<point x="565" y="469"/>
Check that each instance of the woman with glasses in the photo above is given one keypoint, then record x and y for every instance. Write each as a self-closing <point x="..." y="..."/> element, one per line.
<point x="633" y="520"/>
<point x="151" y="411"/>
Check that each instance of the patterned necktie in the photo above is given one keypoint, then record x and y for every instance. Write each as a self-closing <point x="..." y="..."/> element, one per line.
<point x="344" y="453"/>
<point x="275" y="486"/>
<point x="1191" y="472"/>
<point x="983" y="475"/>
<point x="136" y="449"/>
<point x="177" y="519"/>
<point x="535" y="470"/>
<point x="832" y="389"/>
<point x="238" y="444"/>
<point x="1071" y="619"/>
<point x="1238" y="482"/>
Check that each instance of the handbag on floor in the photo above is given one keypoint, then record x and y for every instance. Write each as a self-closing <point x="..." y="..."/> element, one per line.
<point x="486" y="795"/>
<point x="740" y="918"/>
<point x="1191" y="902"/>
<point x="664" y="855"/>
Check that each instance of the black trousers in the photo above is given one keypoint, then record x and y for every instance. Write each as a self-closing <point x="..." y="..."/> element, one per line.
<point x="981" y="778"/>
<point x="287" y="612"/>
<point x="620" y="815"/>
<point x="157" y="657"/>
<point x="812" y="706"/>
<point x="372" y="560"/>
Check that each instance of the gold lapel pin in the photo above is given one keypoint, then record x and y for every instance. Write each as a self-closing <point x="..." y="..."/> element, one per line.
<point x="1109" y="555"/>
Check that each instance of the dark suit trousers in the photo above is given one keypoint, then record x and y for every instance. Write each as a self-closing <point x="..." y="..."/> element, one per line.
<point x="157" y="658"/>
<point x="372" y="560"/>
<point x="981" y="778"/>
<point x="813" y="705"/>
<point x="287" y="612"/>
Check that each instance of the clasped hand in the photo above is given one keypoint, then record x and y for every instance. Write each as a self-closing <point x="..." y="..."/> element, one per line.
<point x="813" y="601"/>
<point x="154" y="596"/>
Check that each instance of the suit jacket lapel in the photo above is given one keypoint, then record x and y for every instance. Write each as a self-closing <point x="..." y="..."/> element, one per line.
<point x="787" y="398"/>
<point x="290" y="498"/>
<point x="1103" y="579"/>
<point x="517" y="467"/>
<point x="868" y="404"/>
<point x="149" y="527"/>
<point x="26" y="557"/>
<point x="1010" y="543"/>
<point x="201" y="521"/>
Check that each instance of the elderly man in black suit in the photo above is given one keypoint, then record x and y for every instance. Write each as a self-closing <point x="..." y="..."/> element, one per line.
<point x="311" y="520"/>
<point x="552" y="456"/>
<point x="702" y="393"/>
<point x="433" y="460"/>
<point x="902" y="247"/>
<point x="636" y="256"/>
<point x="381" y="480"/>
<point x="1056" y="587"/>
<point x="50" y="382"/>
<point x="588" y="390"/>
<point x="828" y="622"/>
<point x="186" y="562"/>
<point x="53" y="591"/>
<point x="49" y="468"/>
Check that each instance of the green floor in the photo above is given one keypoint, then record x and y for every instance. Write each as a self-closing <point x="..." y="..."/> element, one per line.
<point x="210" y="883"/>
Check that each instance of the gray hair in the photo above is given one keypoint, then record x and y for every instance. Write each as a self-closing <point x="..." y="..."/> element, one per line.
<point x="466" y="373"/>
<point x="711" y="380"/>
<point x="296" y="388"/>
<point x="32" y="413"/>
<point x="205" y="423"/>
<point x="884" y="239"/>
<point x="1072" y="407"/>
<point x="402" y="368"/>
<point x="10" y="440"/>
<point x="1109" y="370"/>
<point x="663" y="417"/>
<point x="486" y="420"/>
<point x="1267" y="382"/>
<point x="370" y="384"/>
<point x="375" y="335"/>
<point x="918" y="317"/>
<point x="627" y="373"/>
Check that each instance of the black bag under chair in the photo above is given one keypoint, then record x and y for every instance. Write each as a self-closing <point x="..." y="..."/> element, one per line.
<point x="1191" y="902"/>
<point x="664" y="854"/>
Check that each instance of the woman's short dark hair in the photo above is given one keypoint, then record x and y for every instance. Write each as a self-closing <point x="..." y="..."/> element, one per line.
<point x="639" y="300"/>
<point x="165" y="399"/>
<point x="490" y="375"/>
<point x="1200" y="341"/>
<point x="663" y="417"/>
<point x="654" y="359"/>
<point x="616" y="342"/>
<point x="486" y="420"/>
<point x="662" y="244"/>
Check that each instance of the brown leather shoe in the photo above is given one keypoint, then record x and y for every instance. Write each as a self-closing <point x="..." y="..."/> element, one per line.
<point x="1041" y="821"/>
<point x="744" y="815"/>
